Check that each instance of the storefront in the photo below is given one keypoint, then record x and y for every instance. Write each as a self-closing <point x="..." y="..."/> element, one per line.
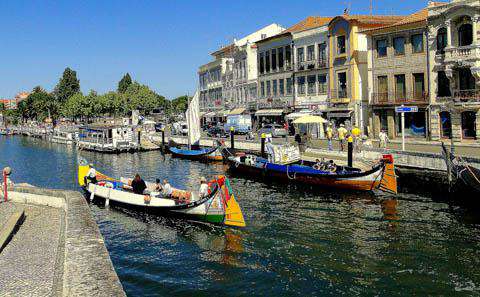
<point x="341" y="116"/>
<point x="270" y="116"/>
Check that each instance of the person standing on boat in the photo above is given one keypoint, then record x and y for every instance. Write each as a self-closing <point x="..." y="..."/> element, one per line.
<point x="270" y="151"/>
<point x="342" y="132"/>
<point x="203" y="192"/>
<point x="138" y="185"/>
<point x="167" y="188"/>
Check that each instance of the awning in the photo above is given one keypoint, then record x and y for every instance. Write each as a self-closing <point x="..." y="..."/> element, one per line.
<point x="221" y="113"/>
<point x="310" y="119"/>
<point x="299" y="114"/>
<point x="340" y="114"/>
<point x="269" y="112"/>
<point x="209" y="115"/>
<point x="236" y="111"/>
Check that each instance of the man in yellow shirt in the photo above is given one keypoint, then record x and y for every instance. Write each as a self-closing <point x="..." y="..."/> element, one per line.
<point x="342" y="132"/>
<point x="330" y="136"/>
<point x="356" y="133"/>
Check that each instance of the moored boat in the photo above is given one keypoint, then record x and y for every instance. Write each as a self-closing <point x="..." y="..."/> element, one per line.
<point x="380" y="176"/>
<point x="219" y="207"/>
<point x="461" y="174"/>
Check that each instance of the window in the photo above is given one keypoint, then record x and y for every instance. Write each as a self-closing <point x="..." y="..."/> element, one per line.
<point x="280" y="58"/>
<point x="274" y="59"/>
<point x="468" y="124"/>
<point x="300" y="54"/>
<point x="382" y="88"/>
<point x="342" y="85"/>
<point x="269" y="91"/>
<point x="267" y="61"/>
<point x="274" y="83"/>
<point x="400" y="88"/>
<point x="281" y="87"/>
<point x="417" y="43"/>
<point x="289" y="86"/>
<point x="418" y="86"/>
<point x="443" y="85"/>
<point x="382" y="48"/>
<point x="262" y="66"/>
<point x="301" y="85"/>
<point x="445" y="124"/>
<point x="466" y="81"/>
<point x="465" y="35"/>
<point x="322" y="54"/>
<point x="399" y="45"/>
<point x="441" y="40"/>
<point x="310" y="53"/>
<point x="311" y="80"/>
<point x="322" y="84"/>
<point x="288" y="56"/>
<point x="341" y="45"/>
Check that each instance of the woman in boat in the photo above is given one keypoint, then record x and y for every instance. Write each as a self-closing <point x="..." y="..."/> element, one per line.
<point x="91" y="176"/>
<point x="138" y="185"/>
<point x="167" y="189"/>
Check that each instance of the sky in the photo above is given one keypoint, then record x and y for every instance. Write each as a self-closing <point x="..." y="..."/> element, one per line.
<point x="160" y="43"/>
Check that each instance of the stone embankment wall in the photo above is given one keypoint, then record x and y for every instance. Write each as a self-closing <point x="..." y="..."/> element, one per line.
<point x="87" y="269"/>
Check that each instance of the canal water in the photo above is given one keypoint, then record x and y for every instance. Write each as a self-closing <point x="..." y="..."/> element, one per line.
<point x="297" y="241"/>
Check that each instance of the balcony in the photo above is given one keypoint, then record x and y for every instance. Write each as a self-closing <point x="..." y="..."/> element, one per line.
<point x="381" y="98"/>
<point x="462" y="53"/>
<point x="339" y="96"/>
<point x="466" y="96"/>
<point x="311" y="64"/>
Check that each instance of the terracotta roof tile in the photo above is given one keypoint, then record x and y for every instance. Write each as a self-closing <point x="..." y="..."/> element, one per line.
<point x="310" y="22"/>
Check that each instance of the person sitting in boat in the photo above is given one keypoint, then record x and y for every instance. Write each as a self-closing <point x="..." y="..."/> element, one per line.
<point x="158" y="185"/>
<point x="138" y="185"/>
<point x="331" y="166"/>
<point x="167" y="189"/>
<point x="91" y="175"/>
<point x="203" y="192"/>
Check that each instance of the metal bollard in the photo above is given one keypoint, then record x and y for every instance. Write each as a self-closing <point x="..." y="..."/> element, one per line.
<point x="262" y="144"/>
<point x="350" y="151"/>
<point x="232" y="138"/>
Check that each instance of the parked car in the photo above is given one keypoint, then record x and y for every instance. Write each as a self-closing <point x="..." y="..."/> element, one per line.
<point x="273" y="130"/>
<point x="216" y="131"/>
<point x="242" y="124"/>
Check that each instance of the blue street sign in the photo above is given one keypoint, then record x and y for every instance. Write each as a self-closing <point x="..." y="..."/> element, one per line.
<point x="401" y="109"/>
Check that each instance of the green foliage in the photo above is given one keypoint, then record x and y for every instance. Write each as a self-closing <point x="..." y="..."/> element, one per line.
<point x="124" y="83"/>
<point x="180" y="104"/>
<point x="67" y="86"/>
<point x="39" y="105"/>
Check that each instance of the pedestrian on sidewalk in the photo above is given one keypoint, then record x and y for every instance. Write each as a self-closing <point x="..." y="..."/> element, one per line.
<point x="383" y="139"/>
<point x="342" y="133"/>
<point x="356" y="134"/>
<point x="330" y="136"/>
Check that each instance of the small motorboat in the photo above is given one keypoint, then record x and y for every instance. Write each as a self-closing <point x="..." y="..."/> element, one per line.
<point x="380" y="176"/>
<point x="460" y="173"/>
<point x="199" y="154"/>
<point x="219" y="207"/>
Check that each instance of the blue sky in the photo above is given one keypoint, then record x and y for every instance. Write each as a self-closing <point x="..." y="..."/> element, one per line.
<point x="161" y="43"/>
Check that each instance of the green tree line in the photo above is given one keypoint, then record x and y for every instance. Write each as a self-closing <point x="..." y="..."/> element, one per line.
<point x="66" y="100"/>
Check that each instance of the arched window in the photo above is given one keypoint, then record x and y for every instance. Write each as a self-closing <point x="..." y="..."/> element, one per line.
<point x="445" y="124"/>
<point x="465" y="35"/>
<point x="468" y="124"/>
<point x="441" y="40"/>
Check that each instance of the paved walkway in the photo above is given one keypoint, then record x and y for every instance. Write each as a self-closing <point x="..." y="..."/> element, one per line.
<point x="6" y="210"/>
<point x="28" y="263"/>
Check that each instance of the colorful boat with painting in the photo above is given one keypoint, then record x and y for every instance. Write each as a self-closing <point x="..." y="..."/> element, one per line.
<point x="285" y="165"/>
<point x="218" y="207"/>
<point x="193" y="151"/>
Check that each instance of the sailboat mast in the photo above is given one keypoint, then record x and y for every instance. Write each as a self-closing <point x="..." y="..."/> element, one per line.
<point x="188" y="122"/>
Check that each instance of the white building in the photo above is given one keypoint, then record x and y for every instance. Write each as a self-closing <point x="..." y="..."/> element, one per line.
<point x="230" y="80"/>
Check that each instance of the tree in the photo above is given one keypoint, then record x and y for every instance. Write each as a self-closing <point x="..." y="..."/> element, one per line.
<point x="67" y="86"/>
<point x="124" y="83"/>
<point x="142" y="98"/>
<point x="180" y="104"/>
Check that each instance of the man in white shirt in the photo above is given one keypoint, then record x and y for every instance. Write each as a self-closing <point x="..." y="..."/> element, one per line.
<point x="167" y="189"/>
<point x="203" y="192"/>
<point x="91" y="175"/>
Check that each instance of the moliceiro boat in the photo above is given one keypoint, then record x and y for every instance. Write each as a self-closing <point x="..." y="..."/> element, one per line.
<point x="380" y="176"/>
<point x="193" y="151"/>
<point x="460" y="173"/>
<point x="219" y="207"/>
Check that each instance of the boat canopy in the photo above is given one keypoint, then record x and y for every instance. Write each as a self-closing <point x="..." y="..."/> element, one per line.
<point x="310" y="119"/>
<point x="269" y="112"/>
